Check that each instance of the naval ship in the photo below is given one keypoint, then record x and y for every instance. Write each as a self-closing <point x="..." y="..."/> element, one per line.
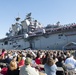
<point x="31" y="34"/>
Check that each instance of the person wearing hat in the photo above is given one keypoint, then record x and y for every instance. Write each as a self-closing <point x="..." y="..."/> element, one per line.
<point x="27" y="69"/>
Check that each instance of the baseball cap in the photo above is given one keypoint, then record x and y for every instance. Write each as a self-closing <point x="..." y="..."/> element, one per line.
<point x="28" y="61"/>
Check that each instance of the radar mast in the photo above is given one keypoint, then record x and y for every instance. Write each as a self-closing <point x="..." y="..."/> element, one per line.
<point x="18" y="18"/>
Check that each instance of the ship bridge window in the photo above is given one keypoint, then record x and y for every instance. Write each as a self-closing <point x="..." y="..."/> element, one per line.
<point x="6" y="43"/>
<point x="60" y="35"/>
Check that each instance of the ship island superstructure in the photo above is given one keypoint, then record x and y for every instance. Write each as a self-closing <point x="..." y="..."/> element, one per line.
<point x="30" y="33"/>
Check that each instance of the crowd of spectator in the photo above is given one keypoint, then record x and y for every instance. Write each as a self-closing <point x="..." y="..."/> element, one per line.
<point x="37" y="62"/>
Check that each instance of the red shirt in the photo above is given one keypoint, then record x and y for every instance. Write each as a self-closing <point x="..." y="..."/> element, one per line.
<point x="38" y="61"/>
<point x="21" y="63"/>
<point x="4" y="71"/>
<point x="3" y="54"/>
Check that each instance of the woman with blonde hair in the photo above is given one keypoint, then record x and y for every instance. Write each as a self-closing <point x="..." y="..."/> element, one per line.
<point x="50" y="67"/>
<point x="13" y="65"/>
<point x="13" y="69"/>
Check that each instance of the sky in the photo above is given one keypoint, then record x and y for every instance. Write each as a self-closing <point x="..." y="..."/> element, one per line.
<point x="45" y="11"/>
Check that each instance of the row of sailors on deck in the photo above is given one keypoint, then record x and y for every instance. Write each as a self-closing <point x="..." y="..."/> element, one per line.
<point x="38" y="62"/>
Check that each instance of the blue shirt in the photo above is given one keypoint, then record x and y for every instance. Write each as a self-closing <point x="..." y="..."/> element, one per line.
<point x="50" y="70"/>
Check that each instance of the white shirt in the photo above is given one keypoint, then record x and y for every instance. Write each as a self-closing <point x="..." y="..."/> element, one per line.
<point x="28" y="70"/>
<point x="71" y="62"/>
